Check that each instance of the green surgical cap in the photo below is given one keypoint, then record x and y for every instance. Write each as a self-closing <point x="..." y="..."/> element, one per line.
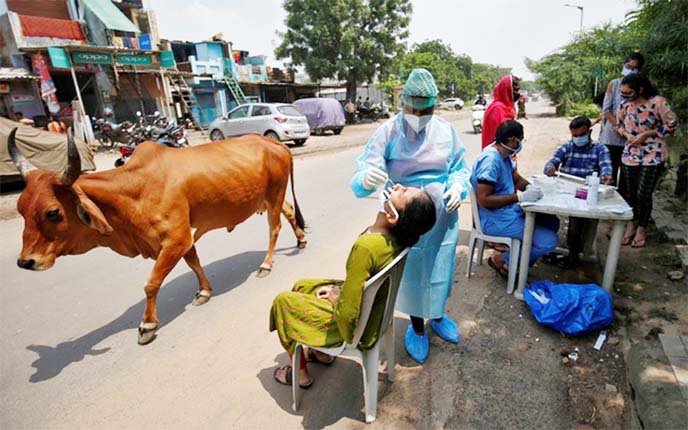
<point x="420" y="91"/>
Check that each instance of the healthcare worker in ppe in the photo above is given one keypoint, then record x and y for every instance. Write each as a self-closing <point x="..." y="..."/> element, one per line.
<point x="417" y="148"/>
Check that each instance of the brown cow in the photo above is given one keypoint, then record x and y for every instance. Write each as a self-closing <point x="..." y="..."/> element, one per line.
<point x="158" y="205"/>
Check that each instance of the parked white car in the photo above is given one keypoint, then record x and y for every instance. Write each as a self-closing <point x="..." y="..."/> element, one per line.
<point x="279" y="121"/>
<point x="452" y="103"/>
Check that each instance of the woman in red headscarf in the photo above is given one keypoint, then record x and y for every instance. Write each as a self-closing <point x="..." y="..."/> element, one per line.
<point x="502" y="107"/>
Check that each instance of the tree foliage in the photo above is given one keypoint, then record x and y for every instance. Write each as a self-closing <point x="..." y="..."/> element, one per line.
<point x="449" y="68"/>
<point x="351" y="40"/>
<point x="658" y="29"/>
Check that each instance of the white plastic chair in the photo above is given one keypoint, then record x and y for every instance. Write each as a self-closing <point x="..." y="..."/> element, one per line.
<point x="477" y="235"/>
<point x="369" y="358"/>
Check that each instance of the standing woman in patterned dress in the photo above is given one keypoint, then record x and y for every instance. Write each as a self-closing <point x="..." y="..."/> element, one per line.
<point x="646" y="121"/>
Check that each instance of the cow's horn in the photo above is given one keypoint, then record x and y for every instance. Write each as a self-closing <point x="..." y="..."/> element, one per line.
<point x="73" y="168"/>
<point x="20" y="162"/>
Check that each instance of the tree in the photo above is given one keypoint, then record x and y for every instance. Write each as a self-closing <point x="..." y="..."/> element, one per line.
<point x="449" y="68"/>
<point x="351" y="40"/>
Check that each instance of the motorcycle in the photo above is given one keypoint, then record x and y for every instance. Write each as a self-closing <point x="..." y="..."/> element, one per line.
<point x="174" y="136"/>
<point x="373" y="112"/>
<point x="477" y="118"/>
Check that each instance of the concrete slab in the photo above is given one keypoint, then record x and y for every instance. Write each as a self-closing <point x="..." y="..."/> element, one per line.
<point x="673" y="346"/>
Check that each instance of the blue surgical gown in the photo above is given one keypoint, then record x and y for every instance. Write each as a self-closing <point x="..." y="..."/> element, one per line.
<point x="433" y="160"/>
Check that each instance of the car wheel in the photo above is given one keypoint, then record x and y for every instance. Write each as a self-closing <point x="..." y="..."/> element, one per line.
<point x="216" y="135"/>
<point x="272" y="135"/>
<point x="319" y="131"/>
<point x="299" y="142"/>
<point x="457" y="107"/>
<point x="338" y="130"/>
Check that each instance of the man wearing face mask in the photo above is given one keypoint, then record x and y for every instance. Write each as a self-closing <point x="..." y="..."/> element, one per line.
<point x="505" y="94"/>
<point x="417" y="148"/>
<point x="612" y="101"/>
<point x="494" y="179"/>
<point x="580" y="156"/>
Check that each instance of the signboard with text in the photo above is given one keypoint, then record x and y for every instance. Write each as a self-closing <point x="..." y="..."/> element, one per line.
<point x="134" y="59"/>
<point x="82" y="57"/>
<point x="58" y="58"/>
<point x="167" y="59"/>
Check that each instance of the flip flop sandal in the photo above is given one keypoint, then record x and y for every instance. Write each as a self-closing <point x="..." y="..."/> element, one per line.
<point x="287" y="378"/>
<point x="499" y="269"/>
<point x="638" y="243"/>
<point x="312" y="357"/>
<point x="627" y="240"/>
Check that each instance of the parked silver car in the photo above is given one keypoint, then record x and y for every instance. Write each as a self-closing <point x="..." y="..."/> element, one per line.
<point x="279" y="121"/>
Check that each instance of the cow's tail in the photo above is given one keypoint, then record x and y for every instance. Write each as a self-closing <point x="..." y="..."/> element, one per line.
<point x="297" y="212"/>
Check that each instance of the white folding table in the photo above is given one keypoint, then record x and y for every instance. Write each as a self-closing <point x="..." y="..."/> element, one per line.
<point x="559" y="199"/>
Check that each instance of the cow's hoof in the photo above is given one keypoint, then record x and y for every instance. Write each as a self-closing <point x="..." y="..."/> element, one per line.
<point x="146" y="336"/>
<point x="201" y="298"/>
<point x="301" y="243"/>
<point x="263" y="272"/>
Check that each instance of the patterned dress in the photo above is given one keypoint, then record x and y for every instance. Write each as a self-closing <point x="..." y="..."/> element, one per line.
<point x="300" y="316"/>
<point x="654" y="114"/>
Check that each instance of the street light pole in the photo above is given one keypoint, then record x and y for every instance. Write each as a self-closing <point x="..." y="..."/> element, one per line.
<point x="580" y="27"/>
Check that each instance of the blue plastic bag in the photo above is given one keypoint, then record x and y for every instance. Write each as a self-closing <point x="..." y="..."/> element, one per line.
<point x="570" y="308"/>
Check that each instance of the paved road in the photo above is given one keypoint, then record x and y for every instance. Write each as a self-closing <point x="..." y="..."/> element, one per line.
<point x="68" y="336"/>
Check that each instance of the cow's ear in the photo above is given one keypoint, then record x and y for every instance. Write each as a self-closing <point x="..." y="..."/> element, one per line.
<point x="90" y="214"/>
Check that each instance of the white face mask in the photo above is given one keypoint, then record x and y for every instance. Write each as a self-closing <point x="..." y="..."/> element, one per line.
<point x="384" y="198"/>
<point x="417" y="123"/>
<point x="626" y="71"/>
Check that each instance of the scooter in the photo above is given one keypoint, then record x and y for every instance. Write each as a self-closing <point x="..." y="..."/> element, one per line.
<point x="477" y="118"/>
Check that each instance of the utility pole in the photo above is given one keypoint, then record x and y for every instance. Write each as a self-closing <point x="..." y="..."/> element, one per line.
<point x="580" y="27"/>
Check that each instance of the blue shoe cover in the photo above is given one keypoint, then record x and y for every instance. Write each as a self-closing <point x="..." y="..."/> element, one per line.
<point x="417" y="346"/>
<point x="446" y="329"/>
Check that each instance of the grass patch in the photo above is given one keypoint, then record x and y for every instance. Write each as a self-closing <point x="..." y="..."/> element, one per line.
<point x="668" y="258"/>
<point x="664" y="314"/>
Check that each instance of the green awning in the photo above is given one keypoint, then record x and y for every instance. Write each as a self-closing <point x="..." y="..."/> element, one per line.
<point x="111" y="16"/>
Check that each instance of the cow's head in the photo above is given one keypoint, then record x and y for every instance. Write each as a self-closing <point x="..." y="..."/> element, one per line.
<point x="59" y="218"/>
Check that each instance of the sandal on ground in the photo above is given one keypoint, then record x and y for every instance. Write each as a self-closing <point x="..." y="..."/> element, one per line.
<point x="312" y="357"/>
<point x="501" y="270"/>
<point x="499" y="247"/>
<point x="288" y="377"/>
<point x="627" y="240"/>
<point x="638" y="243"/>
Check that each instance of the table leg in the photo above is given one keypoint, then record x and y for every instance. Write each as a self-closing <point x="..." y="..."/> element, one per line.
<point x="589" y="238"/>
<point x="613" y="255"/>
<point x="526" y="245"/>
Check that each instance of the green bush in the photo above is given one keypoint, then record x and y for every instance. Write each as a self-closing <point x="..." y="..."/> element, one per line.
<point x="584" y="109"/>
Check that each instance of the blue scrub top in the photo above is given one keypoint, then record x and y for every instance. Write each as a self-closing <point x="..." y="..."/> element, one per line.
<point x="492" y="168"/>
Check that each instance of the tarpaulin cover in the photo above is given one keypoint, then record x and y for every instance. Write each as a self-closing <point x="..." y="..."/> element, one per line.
<point x="321" y="113"/>
<point x="39" y="26"/>
<point x="572" y="309"/>
<point x="111" y="16"/>
<point x="45" y="150"/>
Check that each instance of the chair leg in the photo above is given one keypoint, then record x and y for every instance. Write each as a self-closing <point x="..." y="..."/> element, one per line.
<point x="389" y="352"/>
<point x="514" y="253"/>
<point x="295" y="368"/>
<point x="471" y="251"/>
<point x="370" y="367"/>
<point x="481" y="250"/>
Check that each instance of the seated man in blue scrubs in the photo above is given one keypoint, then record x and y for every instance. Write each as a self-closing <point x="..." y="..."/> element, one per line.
<point x="499" y="189"/>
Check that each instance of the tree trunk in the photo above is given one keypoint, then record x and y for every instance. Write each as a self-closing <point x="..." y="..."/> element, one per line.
<point x="351" y="86"/>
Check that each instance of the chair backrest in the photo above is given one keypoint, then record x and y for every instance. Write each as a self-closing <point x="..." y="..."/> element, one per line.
<point x="474" y="211"/>
<point x="393" y="271"/>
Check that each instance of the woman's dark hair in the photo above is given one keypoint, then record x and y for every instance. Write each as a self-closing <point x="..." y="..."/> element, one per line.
<point x="580" y="121"/>
<point x="637" y="56"/>
<point x="507" y="129"/>
<point x="636" y="81"/>
<point x="416" y="219"/>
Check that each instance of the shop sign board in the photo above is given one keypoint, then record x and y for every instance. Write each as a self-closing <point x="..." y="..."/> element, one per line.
<point x="167" y="59"/>
<point x="134" y="59"/>
<point x="58" y="58"/>
<point x="83" y="57"/>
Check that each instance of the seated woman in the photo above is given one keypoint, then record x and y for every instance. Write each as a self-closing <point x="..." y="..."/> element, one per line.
<point x="500" y="189"/>
<point x="323" y="312"/>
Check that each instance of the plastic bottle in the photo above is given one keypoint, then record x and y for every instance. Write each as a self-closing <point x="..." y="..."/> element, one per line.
<point x="593" y="188"/>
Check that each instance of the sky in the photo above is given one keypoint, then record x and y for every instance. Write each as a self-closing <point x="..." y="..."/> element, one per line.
<point x="499" y="32"/>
